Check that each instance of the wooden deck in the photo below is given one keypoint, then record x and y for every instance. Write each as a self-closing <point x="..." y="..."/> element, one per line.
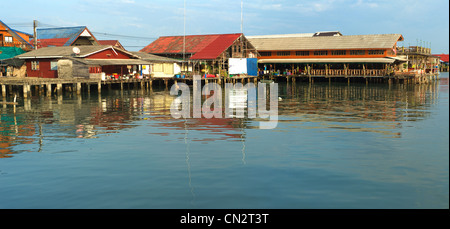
<point x="24" y="86"/>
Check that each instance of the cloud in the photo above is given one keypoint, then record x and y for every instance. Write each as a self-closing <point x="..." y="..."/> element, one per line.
<point x="365" y="4"/>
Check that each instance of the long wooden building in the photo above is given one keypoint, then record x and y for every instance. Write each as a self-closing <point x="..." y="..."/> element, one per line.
<point x="334" y="55"/>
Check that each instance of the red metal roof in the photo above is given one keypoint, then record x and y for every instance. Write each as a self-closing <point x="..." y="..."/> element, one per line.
<point x="108" y="42"/>
<point x="444" y="57"/>
<point x="201" y="46"/>
<point x="42" y="43"/>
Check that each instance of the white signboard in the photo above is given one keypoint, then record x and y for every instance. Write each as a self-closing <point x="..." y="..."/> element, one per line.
<point x="237" y="66"/>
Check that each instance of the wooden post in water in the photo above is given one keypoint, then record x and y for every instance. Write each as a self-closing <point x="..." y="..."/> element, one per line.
<point x="99" y="87"/>
<point x="25" y="91"/>
<point x="78" y="88"/>
<point x="59" y="89"/>
<point x="3" y="90"/>
<point x="49" y="90"/>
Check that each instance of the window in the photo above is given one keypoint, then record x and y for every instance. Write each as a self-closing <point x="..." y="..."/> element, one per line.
<point x="54" y="66"/>
<point x="376" y="52"/>
<point x="283" y="53"/>
<point x="302" y="53"/>
<point x="35" y="65"/>
<point x="8" y="39"/>
<point x="339" y="52"/>
<point x="320" y="53"/>
<point x="358" y="52"/>
<point x="265" y="53"/>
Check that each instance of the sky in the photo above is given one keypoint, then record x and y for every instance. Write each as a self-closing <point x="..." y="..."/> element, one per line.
<point x="136" y="23"/>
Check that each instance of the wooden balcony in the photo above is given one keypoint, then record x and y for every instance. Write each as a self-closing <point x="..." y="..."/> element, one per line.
<point x="23" y="46"/>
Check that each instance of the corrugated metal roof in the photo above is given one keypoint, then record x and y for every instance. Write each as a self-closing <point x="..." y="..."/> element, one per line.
<point x="67" y="51"/>
<point x="378" y="41"/>
<point x="154" y="58"/>
<point x="52" y="42"/>
<point x="69" y="33"/>
<point x="202" y="46"/>
<point x="444" y="57"/>
<point x="215" y="48"/>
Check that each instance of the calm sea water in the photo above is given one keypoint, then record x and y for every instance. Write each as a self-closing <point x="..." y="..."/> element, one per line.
<point x="336" y="146"/>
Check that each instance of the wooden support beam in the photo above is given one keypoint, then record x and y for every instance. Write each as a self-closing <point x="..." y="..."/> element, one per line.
<point x="25" y="91"/>
<point x="99" y="87"/>
<point x="3" y="90"/>
<point x="49" y="90"/>
<point x="78" y="88"/>
<point x="59" y="88"/>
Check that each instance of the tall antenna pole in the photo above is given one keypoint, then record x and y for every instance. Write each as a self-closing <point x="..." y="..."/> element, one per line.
<point x="184" y="36"/>
<point x="242" y="16"/>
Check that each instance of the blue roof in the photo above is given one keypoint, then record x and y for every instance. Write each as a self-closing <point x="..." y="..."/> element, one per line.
<point x="64" y="32"/>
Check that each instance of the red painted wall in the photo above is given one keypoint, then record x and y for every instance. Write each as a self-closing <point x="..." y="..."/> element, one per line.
<point x="44" y="69"/>
<point x="109" y="54"/>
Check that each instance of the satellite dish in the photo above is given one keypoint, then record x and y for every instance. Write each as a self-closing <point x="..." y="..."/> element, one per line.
<point x="76" y="50"/>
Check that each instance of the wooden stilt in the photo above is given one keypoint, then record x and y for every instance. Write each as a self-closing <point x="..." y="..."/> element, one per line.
<point x="59" y="89"/>
<point x="49" y="90"/>
<point x="78" y="88"/>
<point x="25" y="91"/>
<point x="3" y="90"/>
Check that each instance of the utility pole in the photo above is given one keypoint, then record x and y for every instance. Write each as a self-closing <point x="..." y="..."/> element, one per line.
<point x="35" y="33"/>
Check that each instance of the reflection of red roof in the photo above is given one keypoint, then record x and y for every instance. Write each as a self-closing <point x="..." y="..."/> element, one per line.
<point x="444" y="57"/>
<point x="201" y="46"/>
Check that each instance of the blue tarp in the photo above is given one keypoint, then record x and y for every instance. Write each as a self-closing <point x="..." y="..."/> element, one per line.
<point x="252" y="67"/>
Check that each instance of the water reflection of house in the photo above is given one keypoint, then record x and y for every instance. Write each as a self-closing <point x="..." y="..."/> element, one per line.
<point x="338" y="103"/>
<point x="14" y="131"/>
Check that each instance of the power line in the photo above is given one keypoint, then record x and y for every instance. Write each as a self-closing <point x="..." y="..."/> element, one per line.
<point x="45" y="25"/>
<point x="123" y="36"/>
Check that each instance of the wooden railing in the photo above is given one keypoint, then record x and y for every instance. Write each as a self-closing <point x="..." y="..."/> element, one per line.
<point x="348" y="72"/>
<point x="15" y="44"/>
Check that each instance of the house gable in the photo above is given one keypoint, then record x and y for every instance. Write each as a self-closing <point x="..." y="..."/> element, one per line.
<point x="18" y="39"/>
